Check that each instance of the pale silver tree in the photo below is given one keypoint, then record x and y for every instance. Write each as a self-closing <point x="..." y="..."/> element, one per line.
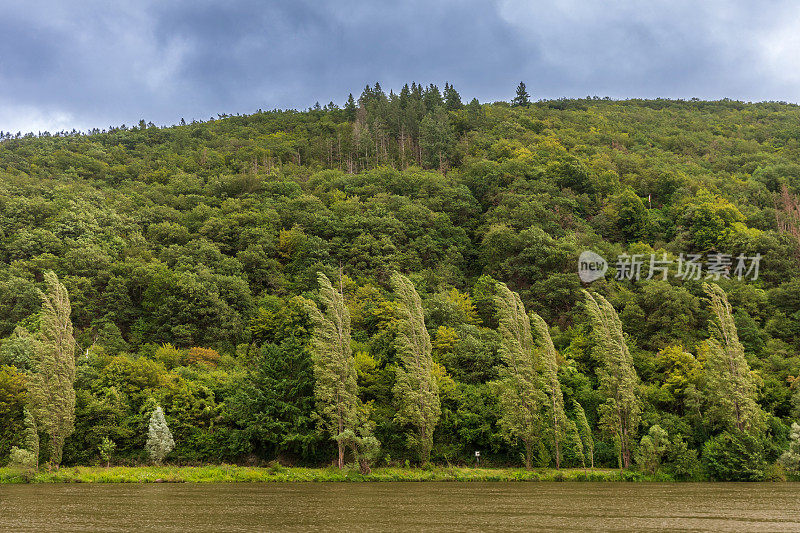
<point x="791" y="458"/>
<point x="159" y="437"/>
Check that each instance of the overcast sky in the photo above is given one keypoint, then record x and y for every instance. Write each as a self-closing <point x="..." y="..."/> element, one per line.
<point x="94" y="63"/>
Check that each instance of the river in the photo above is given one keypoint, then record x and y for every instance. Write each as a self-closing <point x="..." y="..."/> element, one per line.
<point x="427" y="506"/>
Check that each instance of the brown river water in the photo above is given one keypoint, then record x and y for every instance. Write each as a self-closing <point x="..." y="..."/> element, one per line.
<point x="425" y="506"/>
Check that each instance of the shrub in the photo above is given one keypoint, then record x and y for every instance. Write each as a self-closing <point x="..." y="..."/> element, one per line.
<point x="734" y="457"/>
<point x="205" y="356"/>
<point x="169" y="355"/>
<point x="22" y="459"/>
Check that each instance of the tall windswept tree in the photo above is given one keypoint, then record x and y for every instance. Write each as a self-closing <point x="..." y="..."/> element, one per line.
<point x="335" y="387"/>
<point x="621" y="412"/>
<point x="416" y="390"/>
<point x="549" y="360"/>
<point x="521" y="397"/>
<point x="52" y="392"/>
<point x="584" y="431"/>
<point x="731" y="386"/>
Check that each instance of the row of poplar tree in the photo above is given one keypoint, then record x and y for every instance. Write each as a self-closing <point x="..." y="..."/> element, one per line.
<point x="530" y="396"/>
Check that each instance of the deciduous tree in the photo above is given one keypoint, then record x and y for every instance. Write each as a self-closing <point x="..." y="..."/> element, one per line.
<point x="549" y="361"/>
<point x="730" y="385"/>
<point x="415" y="391"/>
<point x="52" y="393"/>
<point x="621" y="412"/>
<point x="159" y="437"/>
<point x="521" y="397"/>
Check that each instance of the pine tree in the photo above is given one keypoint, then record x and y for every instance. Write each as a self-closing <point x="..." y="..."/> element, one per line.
<point x="452" y="100"/>
<point x="584" y="430"/>
<point x="416" y="390"/>
<point x="432" y="98"/>
<point x="522" y="99"/>
<point x="549" y="359"/>
<point x="437" y="139"/>
<point x="335" y="386"/>
<point x="350" y="108"/>
<point x="159" y="437"/>
<point x="621" y="412"/>
<point x="520" y="397"/>
<point x="52" y="392"/>
<point x="731" y="386"/>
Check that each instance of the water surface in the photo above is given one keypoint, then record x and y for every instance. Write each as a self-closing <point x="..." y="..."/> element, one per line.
<point x="408" y="506"/>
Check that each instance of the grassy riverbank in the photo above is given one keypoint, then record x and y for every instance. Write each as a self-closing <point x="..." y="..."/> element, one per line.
<point x="232" y="474"/>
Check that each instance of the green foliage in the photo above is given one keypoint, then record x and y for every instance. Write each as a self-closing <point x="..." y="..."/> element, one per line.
<point x="184" y="251"/>
<point x="416" y="390"/>
<point x="51" y="390"/>
<point x="12" y="406"/>
<point x="520" y="386"/>
<point x="731" y="384"/>
<point x="734" y="456"/>
<point x="584" y="432"/>
<point x="620" y="414"/>
<point x="548" y="358"/>
<point x="106" y="448"/>
<point x="651" y="449"/>
<point x="341" y="413"/>
<point x="522" y="99"/>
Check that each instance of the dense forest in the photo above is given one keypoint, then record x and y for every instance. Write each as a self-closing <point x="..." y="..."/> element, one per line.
<point x="428" y="247"/>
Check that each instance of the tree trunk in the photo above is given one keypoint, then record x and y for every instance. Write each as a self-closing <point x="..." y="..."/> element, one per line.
<point x="528" y="454"/>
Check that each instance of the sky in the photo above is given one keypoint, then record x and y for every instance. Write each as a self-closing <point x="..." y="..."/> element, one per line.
<point x="83" y="64"/>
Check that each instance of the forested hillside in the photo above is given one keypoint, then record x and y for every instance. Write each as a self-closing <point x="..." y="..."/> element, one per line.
<point x="191" y="255"/>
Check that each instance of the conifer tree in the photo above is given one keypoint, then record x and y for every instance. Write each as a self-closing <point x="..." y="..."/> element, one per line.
<point x="159" y="437"/>
<point x="731" y="386"/>
<point x="437" y="139"/>
<point x="520" y="397"/>
<point x="335" y="386"/>
<point x="621" y="412"/>
<point x="522" y="99"/>
<point x="52" y="392"/>
<point x="549" y="360"/>
<point x="350" y="108"/>
<point x="452" y="100"/>
<point x="584" y="430"/>
<point x="416" y="390"/>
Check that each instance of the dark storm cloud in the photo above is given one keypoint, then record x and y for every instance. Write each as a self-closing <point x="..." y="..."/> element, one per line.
<point x="96" y="63"/>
